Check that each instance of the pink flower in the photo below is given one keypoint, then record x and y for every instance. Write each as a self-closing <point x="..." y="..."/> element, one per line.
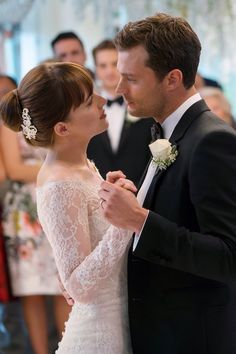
<point x="32" y="225"/>
<point x="25" y="251"/>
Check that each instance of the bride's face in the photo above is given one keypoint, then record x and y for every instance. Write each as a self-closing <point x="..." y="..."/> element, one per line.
<point x="89" y="119"/>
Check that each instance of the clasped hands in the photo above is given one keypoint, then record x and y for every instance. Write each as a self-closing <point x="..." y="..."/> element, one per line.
<point x="118" y="178"/>
<point x="119" y="203"/>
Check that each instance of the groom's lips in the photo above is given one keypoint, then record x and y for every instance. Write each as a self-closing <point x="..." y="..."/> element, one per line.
<point x="127" y="100"/>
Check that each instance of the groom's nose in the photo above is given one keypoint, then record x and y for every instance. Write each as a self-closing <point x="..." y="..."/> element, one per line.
<point x="120" y="89"/>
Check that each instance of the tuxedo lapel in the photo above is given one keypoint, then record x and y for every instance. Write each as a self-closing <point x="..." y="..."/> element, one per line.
<point x="124" y="132"/>
<point x="151" y="190"/>
<point x="187" y="119"/>
<point x="106" y="141"/>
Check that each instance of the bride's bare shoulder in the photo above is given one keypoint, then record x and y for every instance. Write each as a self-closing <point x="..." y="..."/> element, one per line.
<point x="59" y="172"/>
<point x="55" y="172"/>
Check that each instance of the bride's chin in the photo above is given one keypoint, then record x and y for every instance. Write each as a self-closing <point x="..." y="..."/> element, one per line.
<point x="105" y="125"/>
<point x="102" y="129"/>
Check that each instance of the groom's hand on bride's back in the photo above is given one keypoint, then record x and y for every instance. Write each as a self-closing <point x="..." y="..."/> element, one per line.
<point x="69" y="299"/>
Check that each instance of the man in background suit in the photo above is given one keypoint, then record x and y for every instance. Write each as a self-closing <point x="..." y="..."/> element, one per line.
<point x="68" y="46"/>
<point x="182" y="265"/>
<point x="124" y="145"/>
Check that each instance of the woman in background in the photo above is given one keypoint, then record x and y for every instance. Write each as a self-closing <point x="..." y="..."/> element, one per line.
<point x="4" y="288"/>
<point x="218" y="103"/>
<point x="2" y="168"/>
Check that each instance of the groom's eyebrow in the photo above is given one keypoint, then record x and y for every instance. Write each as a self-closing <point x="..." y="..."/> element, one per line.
<point x="127" y="74"/>
<point x="123" y="72"/>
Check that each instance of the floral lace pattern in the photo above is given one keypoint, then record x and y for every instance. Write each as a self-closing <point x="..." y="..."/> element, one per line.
<point x="91" y="259"/>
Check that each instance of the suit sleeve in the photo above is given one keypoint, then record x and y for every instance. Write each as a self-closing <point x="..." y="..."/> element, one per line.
<point x="211" y="251"/>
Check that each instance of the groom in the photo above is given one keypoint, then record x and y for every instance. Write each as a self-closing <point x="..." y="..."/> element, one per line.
<point x="182" y="264"/>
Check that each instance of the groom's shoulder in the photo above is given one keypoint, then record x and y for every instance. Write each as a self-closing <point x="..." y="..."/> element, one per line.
<point x="209" y="123"/>
<point x="208" y="132"/>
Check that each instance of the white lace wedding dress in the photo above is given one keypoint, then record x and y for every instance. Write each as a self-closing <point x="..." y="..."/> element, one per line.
<point x="94" y="276"/>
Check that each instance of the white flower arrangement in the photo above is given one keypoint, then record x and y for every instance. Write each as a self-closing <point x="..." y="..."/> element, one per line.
<point x="164" y="154"/>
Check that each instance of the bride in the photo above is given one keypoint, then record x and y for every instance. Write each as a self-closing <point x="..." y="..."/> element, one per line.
<point x="56" y="108"/>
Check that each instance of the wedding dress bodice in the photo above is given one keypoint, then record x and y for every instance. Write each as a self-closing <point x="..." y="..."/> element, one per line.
<point x="91" y="259"/>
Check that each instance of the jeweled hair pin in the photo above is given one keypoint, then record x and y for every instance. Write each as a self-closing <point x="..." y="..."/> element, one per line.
<point x="28" y="129"/>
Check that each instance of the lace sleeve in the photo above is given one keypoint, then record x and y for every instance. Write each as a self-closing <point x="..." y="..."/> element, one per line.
<point x="63" y="214"/>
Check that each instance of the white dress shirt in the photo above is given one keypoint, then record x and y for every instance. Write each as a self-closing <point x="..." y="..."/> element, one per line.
<point x="168" y="127"/>
<point x="115" y="117"/>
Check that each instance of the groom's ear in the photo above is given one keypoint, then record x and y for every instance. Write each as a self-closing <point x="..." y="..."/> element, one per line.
<point x="174" y="79"/>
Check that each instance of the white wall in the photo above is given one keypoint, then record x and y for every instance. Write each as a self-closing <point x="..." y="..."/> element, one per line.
<point x="46" y="19"/>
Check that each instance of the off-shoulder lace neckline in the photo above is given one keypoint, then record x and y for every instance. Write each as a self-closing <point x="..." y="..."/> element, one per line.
<point x="73" y="178"/>
<point x="69" y="180"/>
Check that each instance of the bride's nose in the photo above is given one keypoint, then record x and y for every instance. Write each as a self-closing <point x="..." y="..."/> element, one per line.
<point x="102" y="101"/>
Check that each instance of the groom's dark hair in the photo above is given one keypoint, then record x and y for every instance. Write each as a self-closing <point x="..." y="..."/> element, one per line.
<point x="169" y="41"/>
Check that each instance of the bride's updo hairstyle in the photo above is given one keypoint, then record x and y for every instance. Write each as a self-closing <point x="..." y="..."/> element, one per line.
<point x="45" y="97"/>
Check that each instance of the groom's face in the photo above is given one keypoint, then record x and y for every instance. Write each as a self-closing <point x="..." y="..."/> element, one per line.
<point x="142" y="90"/>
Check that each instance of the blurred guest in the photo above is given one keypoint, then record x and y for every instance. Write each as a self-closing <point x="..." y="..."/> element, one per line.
<point x="218" y="103"/>
<point x="32" y="268"/>
<point x="13" y="334"/>
<point x="67" y="46"/>
<point x="201" y="81"/>
<point x="4" y="288"/>
<point x="2" y="169"/>
<point x="124" y="146"/>
<point x="7" y="83"/>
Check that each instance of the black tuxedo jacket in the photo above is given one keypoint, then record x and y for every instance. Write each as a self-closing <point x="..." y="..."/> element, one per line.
<point x="133" y="152"/>
<point x="182" y="274"/>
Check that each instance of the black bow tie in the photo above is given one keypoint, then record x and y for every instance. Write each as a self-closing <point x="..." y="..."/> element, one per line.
<point x="118" y="100"/>
<point x="157" y="131"/>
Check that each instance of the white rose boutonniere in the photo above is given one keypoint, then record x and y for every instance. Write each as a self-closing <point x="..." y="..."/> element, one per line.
<point x="164" y="154"/>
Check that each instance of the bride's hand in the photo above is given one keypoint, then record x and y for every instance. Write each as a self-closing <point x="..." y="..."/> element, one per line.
<point x="119" y="178"/>
<point x="114" y="176"/>
<point x="126" y="184"/>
